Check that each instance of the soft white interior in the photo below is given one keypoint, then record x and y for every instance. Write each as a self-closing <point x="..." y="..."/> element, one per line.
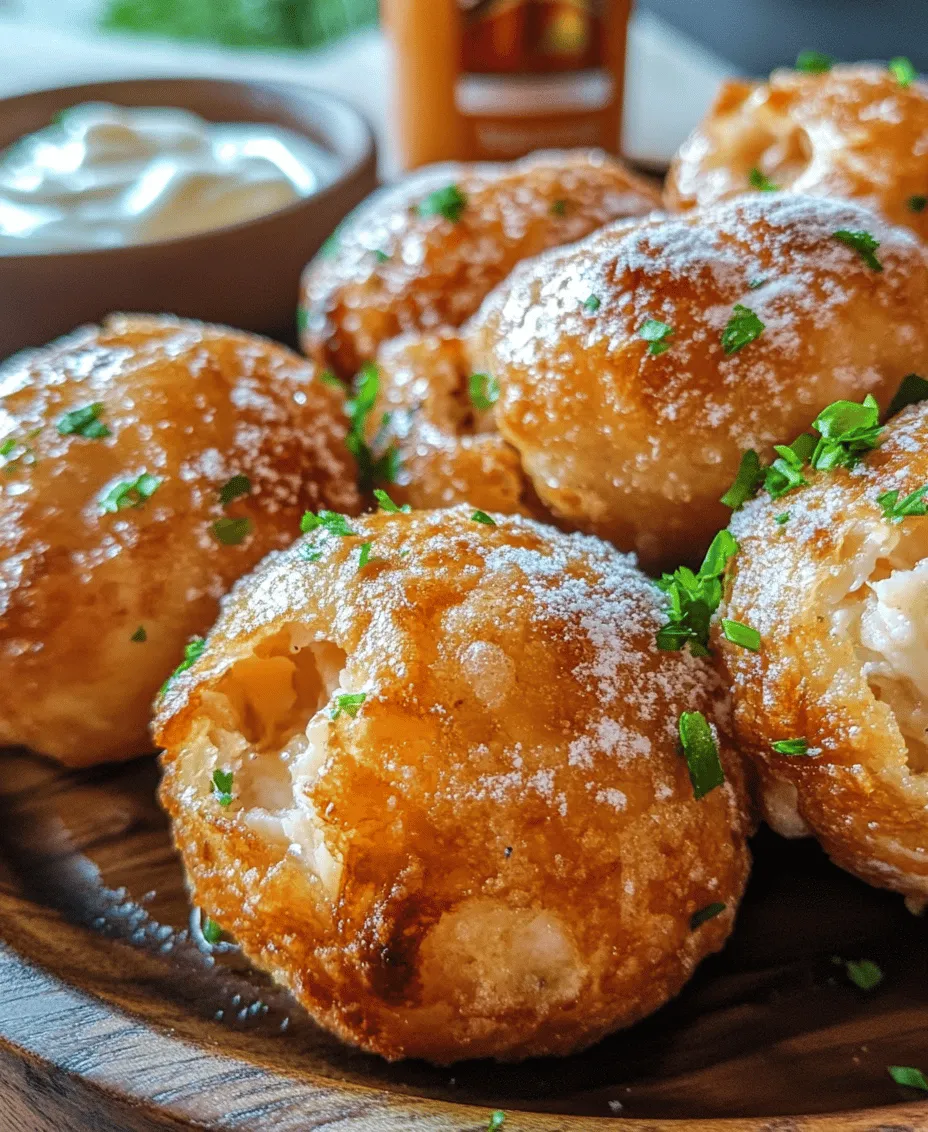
<point x="884" y="610"/>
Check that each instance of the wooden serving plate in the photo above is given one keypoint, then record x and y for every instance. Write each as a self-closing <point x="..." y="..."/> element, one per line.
<point x="112" y="1019"/>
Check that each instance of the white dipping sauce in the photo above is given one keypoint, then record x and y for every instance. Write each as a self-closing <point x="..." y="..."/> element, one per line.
<point x="104" y="176"/>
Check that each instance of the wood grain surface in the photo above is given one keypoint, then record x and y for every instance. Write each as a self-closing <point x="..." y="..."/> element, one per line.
<point x="112" y="1018"/>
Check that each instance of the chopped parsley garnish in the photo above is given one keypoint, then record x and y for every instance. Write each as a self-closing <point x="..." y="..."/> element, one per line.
<point x="483" y="517"/>
<point x="349" y="703"/>
<point x="863" y="243"/>
<point x="785" y="473"/>
<point x="740" y="634"/>
<point x="749" y="478"/>
<point x="234" y="488"/>
<point x="483" y="389"/>
<point x="365" y="558"/>
<point x="448" y="202"/>
<point x="902" y="70"/>
<point x="909" y="1076"/>
<point x="782" y="518"/>
<point x="917" y="203"/>
<point x="863" y="973"/>
<point x="743" y="327"/>
<point x="708" y="913"/>
<point x="497" y="1119"/>
<point x="559" y="208"/>
<point x="592" y="304"/>
<point x="761" y="182"/>
<point x="694" y="598"/>
<point x="231" y="532"/>
<point x="7" y="446"/>
<point x="814" y="62"/>
<point x="371" y="465"/>
<point x="328" y="377"/>
<point x="380" y="255"/>
<point x="222" y="786"/>
<point x="912" y="389"/>
<point x="212" y="932"/>
<point x="310" y="554"/>
<point x="657" y="334"/>
<point x="331" y="244"/>
<point x="193" y="650"/>
<point x="759" y="281"/>
<point x="896" y="509"/>
<point x="129" y="493"/>
<point x="84" y="422"/>
<point x="701" y="753"/>
<point x="25" y="458"/>
<point x="847" y="430"/>
<point x="386" y="503"/>
<point x="139" y="636"/>
<point x="302" y="320"/>
<point x="330" y="521"/>
<point x="791" y="747"/>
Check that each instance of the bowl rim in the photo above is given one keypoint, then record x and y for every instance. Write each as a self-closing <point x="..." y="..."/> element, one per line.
<point x="351" y="140"/>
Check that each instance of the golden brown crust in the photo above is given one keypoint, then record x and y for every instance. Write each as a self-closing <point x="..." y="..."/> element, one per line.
<point x="638" y="447"/>
<point x="394" y="270"/>
<point x="839" y="596"/>
<point x="854" y="132"/>
<point x="192" y="405"/>
<point x="500" y="854"/>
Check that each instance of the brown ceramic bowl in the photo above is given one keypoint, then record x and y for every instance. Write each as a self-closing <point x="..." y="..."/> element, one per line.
<point x="245" y="274"/>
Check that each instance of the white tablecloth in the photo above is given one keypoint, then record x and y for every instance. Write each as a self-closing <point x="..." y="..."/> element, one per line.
<point x="670" y="79"/>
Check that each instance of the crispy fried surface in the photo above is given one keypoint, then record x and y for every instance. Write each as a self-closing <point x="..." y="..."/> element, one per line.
<point x="499" y="855"/>
<point x="840" y="598"/>
<point x="192" y="405"/>
<point x="394" y="270"/>
<point x="854" y="132"/>
<point x="638" y="447"/>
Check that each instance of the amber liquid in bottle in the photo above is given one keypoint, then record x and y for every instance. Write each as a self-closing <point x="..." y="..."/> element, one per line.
<point x="494" y="79"/>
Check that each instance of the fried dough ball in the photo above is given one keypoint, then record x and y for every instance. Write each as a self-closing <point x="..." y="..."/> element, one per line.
<point x="854" y="132"/>
<point x="451" y="814"/>
<point x="423" y="254"/>
<point x="839" y="595"/>
<point x="144" y="466"/>
<point x="636" y="438"/>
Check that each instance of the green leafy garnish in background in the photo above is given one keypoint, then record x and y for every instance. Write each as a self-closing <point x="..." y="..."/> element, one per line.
<point x="243" y="23"/>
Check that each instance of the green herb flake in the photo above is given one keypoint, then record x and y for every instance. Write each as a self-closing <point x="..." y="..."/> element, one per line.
<point x="759" y="281"/>
<point x="483" y="517"/>
<point x="484" y="390"/>
<point x="386" y="504"/>
<point x="234" y="488"/>
<point x="814" y="62"/>
<point x="693" y="598"/>
<point x="912" y="389"/>
<point x="348" y="703"/>
<point x="863" y="973"/>
<point x="791" y="747"/>
<point x="895" y="510"/>
<point x="84" y="422"/>
<point x="740" y="634"/>
<point x="448" y="202"/>
<point x="909" y="1076"/>
<point x="782" y="518"/>
<point x="222" y="786"/>
<point x="592" y="304"/>
<point x="743" y="328"/>
<point x="330" y="521"/>
<point x="657" y="334"/>
<point x="231" y="532"/>
<point x="129" y="493"/>
<point x="902" y="71"/>
<point x="863" y="243"/>
<point x="559" y="208"/>
<point x="212" y="932"/>
<point x="704" y="914"/>
<point x="302" y="320"/>
<point x="310" y="554"/>
<point x="193" y="650"/>
<point x="365" y="558"/>
<point x="701" y="753"/>
<point x="328" y="377"/>
<point x="7" y="446"/>
<point x="374" y="463"/>
<point x="139" y="636"/>
<point x="917" y="203"/>
<point x="785" y="473"/>
<point x="847" y="431"/>
<point x="758" y="180"/>
<point x="750" y="476"/>
<point x="380" y="255"/>
<point x="496" y="1121"/>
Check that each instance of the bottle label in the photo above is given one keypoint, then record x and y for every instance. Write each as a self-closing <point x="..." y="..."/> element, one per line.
<point x="532" y="73"/>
